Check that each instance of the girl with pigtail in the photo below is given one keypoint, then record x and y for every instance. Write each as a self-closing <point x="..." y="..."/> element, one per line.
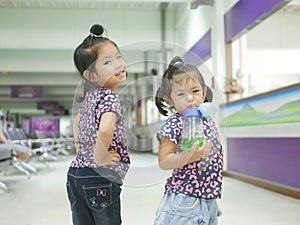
<point x="191" y="192"/>
<point x="96" y="174"/>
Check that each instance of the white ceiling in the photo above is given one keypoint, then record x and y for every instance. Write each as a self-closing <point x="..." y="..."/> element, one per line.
<point x="293" y="6"/>
<point x="101" y="4"/>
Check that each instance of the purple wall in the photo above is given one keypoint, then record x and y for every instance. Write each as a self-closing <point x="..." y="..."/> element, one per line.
<point x="47" y="125"/>
<point x="200" y="51"/>
<point x="272" y="159"/>
<point x="26" y="91"/>
<point x="244" y="14"/>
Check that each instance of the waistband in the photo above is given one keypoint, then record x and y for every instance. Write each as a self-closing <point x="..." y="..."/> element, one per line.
<point x="88" y="172"/>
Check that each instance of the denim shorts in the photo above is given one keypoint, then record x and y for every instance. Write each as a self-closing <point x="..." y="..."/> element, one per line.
<point x="180" y="209"/>
<point x="94" y="199"/>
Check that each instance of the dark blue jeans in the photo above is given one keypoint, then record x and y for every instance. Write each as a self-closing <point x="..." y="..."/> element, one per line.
<point x="94" y="200"/>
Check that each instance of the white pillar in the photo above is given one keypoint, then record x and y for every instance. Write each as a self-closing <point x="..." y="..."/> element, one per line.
<point x="243" y="60"/>
<point x="218" y="48"/>
<point x="218" y="53"/>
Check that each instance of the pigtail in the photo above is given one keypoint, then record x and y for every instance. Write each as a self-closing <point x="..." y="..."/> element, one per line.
<point x="165" y="87"/>
<point x="209" y="95"/>
<point x="159" y="102"/>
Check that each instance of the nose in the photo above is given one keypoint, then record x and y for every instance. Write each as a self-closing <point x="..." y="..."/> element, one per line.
<point x="119" y="63"/>
<point x="189" y="98"/>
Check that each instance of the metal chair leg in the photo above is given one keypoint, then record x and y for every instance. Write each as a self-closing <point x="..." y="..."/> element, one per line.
<point x="17" y="165"/>
<point x="26" y="166"/>
<point x="4" y="187"/>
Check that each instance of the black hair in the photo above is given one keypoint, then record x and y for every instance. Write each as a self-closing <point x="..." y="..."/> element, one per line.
<point x="175" y="68"/>
<point x="86" y="53"/>
<point x="209" y="95"/>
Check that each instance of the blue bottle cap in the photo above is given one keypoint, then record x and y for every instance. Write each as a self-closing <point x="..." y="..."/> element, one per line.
<point x="192" y="112"/>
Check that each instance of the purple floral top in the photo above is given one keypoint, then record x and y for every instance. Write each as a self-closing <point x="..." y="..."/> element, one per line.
<point x="200" y="179"/>
<point x="96" y="103"/>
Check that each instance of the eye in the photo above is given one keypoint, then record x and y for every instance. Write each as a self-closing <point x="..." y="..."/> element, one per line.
<point x="119" y="56"/>
<point x="107" y="62"/>
<point x="196" y="90"/>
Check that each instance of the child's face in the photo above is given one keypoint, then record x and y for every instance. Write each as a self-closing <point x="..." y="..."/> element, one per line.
<point x="187" y="94"/>
<point x="110" y="68"/>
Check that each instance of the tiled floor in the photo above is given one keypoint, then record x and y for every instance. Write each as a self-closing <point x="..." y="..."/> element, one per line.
<point x="41" y="200"/>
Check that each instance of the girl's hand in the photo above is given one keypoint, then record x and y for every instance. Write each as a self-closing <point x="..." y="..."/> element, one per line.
<point x="200" y="152"/>
<point x="111" y="158"/>
<point x="114" y="157"/>
<point x="168" y="158"/>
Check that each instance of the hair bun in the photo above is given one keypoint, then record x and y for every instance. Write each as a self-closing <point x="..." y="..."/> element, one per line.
<point x="176" y="60"/>
<point x="175" y="63"/>
<point x="96" y="30"/>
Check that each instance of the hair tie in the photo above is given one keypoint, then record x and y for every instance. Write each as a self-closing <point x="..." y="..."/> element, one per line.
<point x="179" y="64"/>
<point x="95" y="35"/>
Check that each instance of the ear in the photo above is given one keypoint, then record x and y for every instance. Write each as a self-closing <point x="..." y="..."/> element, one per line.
<point x="87" y="75"/>
<point x="168" y="101"/>
<point x="204" y="92"/>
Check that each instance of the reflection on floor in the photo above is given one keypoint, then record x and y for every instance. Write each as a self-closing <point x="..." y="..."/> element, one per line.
<point x="41" y="200"/>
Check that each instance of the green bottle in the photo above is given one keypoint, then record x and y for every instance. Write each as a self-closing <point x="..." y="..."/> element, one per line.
<point x="192" y="129"/>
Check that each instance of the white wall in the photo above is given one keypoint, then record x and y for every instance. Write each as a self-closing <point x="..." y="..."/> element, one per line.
<point x="273" y="53"/>
<point x="66" y="28"/>
<point x="191" y="25"/>
<point x="65" y="125"/>
<point x="38" y="36"/>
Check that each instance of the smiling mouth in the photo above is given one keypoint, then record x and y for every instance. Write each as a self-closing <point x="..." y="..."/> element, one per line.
<point x="120" y="73"/>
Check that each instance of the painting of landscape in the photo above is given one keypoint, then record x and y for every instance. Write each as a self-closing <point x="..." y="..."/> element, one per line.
<point x="282" y="106"/>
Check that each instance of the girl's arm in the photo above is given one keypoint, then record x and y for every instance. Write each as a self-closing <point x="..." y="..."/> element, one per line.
<point x="168" y="159"/>
<point x="105" y="135"/>
<point x="2" y="138"/>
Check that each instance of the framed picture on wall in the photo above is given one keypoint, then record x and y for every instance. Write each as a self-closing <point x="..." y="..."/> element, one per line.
<point x="274" y="107"/>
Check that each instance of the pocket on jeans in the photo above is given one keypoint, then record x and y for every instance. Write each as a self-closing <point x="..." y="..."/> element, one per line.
<point x="98" y="197"/>
<point x="170" y="218"/>
<point x="185" y="202"/>
<point x="186" y="210"/>
<point x="71" y="196"/>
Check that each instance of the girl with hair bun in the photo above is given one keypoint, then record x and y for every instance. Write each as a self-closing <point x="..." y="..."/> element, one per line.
<point x="96" y="174"/>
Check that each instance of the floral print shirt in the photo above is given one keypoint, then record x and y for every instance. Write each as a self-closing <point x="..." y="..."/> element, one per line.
<point x="200" y="179"/>
<point x="96" y="103"/>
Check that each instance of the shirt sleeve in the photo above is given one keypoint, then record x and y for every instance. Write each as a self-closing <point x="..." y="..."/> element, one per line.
<point x="110" y="102"/>
<point x="171" y="130"/>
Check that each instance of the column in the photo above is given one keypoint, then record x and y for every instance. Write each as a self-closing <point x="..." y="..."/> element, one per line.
<point x="218" y="49"/>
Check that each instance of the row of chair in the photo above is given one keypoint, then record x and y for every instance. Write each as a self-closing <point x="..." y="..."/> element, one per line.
<point x="45" y="148"/>
<point x="5" y="156"/>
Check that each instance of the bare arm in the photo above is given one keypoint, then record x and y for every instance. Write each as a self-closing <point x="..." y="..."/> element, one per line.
<point x="2" y="138"/>
<point x="168" y="159"/>
<point x="105" y="135"/>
